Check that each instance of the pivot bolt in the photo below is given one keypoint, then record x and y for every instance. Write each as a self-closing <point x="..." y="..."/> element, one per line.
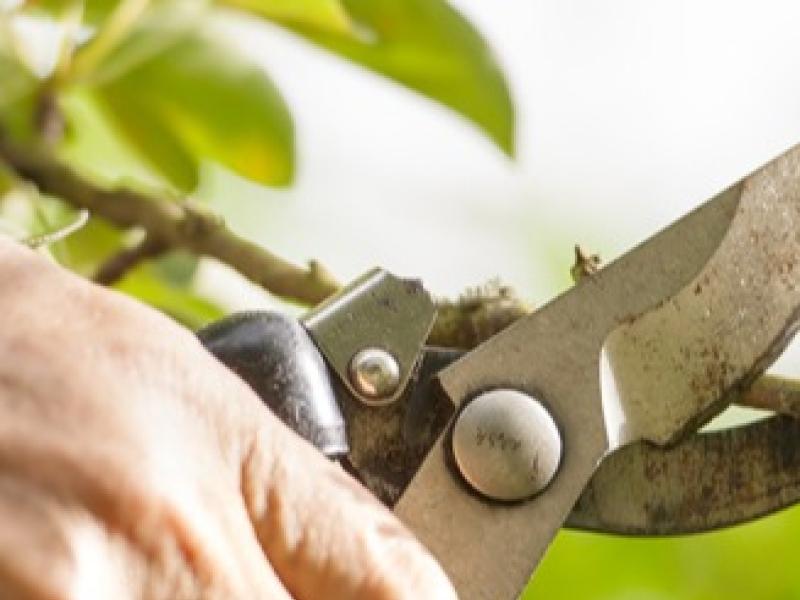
<point x="506" y="445"/>
<point x="375" y="374"/>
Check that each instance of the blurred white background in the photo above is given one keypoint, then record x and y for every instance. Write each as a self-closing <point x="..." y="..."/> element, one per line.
<point x="630" y="113"/>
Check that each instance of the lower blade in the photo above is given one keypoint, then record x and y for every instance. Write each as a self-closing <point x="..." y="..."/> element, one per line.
<point x="709" y="481"/>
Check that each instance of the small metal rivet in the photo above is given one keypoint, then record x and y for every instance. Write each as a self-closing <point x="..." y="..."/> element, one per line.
<point x="374" y="373"/>
<point x="506" y="445"/>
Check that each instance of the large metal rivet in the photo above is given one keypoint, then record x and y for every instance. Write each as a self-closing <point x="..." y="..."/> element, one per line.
<point x="506" y="445"/>
<point x="374" y="373"/>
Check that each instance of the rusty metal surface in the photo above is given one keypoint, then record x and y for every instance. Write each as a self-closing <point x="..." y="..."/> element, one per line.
<point x="710" y="480"/>
<point x="720" y="332"/>
<point x="489" y="550"/>
<point x="380" y="311"/>
<point x="388" y="443"/>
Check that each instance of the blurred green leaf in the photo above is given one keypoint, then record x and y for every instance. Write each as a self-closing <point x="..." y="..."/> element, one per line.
<point x="84" y="250"/>
<point x="94" y="146"/>
<point x="164" y="283"/>
<point x="323" y="15"/>
<point x="29" y="214"/>
<point x="147" y="284"/>
<point x="428" y="46"/>
<point x="177" y="267"/>
<point x="143" y="126"/>
<point x="94" y="11"/>
<point x="7" y="182"/>
<point x="197" y="100"/>
<point x="18" y="92"/>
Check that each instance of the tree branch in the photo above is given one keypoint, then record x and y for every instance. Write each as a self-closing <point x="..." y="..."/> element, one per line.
<point x="115" y="267"/>
<point x="477" y="316"/>
<point x="177" y="224"/>
<point x="771" y="392"/>
<point x="483" y="312"/>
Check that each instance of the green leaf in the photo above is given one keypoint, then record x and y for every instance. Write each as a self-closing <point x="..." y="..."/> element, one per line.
<point x="97" y="11"/>
<point x="177" y="267"/>
<point x="30" y="214"/>
<point x="94" y="11"/>
<point x="148" y="285"/>
<point x="18" y="92"/>
<point x="164" y="283"/>
<point x="89" y="247"/>
<point x="144" y="127"/>
<point x="322" y="15"/>
<point x="7" y="182"/>
<point x="428" y="46"/>
<point x="196" y="100"/>
<point x="93" y="146"/>
<point x="82" y="251"/>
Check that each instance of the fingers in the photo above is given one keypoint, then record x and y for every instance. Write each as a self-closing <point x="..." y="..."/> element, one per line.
<point x="324" y="534"/>
<point x="131" y="383"/>
<point x="122" y="426"/>
<point x="35" y="558"/>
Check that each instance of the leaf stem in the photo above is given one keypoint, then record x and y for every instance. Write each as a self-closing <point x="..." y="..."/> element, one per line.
<point x="119" y="24"/>
<point x="71" y="22"/>
<point x="59" y="234"/>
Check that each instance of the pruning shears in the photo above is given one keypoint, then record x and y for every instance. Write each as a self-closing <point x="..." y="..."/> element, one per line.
<point x="583" y="414"/>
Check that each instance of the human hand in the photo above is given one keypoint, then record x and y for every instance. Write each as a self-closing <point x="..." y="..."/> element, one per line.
<point x="133" y="465"/>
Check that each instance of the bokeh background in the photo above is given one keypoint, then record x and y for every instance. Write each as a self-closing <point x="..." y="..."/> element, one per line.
<point x="630" y="114"/>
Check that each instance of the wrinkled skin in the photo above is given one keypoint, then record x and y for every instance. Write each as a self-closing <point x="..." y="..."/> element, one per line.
<point x="133" y="465"/>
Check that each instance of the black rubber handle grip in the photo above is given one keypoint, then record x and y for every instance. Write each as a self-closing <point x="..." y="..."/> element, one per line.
<point x="275" y="355"/>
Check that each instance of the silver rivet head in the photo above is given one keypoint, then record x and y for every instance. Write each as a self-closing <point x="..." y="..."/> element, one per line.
<point x="374" y="373"/>
<point x="506" y="445"/>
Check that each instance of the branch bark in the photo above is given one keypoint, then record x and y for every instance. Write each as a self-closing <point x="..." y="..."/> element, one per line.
<point x="477" y="315"/>
<point x="771" y="392"/>
<point x="177" y="224"/>
<point x="466" y="323"/>
<point x="115" y="267"/>
<point x="482" y="313"/>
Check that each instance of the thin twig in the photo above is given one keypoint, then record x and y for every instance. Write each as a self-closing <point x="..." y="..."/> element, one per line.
<point x="124" y="16"/>
<point x="771" y="392"/>
<point x="178" y="224"/>
<point x="585" y="265"/>
<point x="118" y="265"/>
<point x="51" y="237"/>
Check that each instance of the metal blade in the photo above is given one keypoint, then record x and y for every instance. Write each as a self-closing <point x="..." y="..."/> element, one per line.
<point x="709" y="481"/>
<point x="489" y="549"/>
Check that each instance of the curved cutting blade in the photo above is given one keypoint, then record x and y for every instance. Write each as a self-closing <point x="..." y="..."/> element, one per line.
<point x="710" y="480"/>
<point x="692" y="326"/>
